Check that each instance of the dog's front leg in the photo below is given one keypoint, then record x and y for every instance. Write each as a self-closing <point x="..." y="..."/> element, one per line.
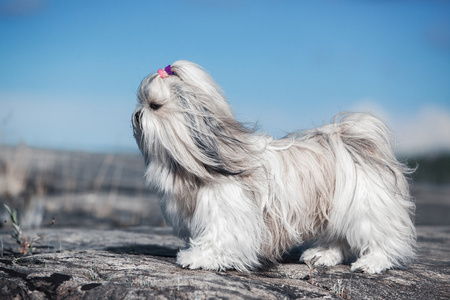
<point x="226" y="231"/>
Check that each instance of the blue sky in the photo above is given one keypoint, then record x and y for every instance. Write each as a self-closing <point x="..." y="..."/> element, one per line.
<point x="69" y="70"/>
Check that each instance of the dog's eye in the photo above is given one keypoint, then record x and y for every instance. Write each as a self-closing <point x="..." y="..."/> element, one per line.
<point x="155" y="106"/>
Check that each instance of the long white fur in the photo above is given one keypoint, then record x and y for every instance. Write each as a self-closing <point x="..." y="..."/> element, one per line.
<point x="241" y="199"/>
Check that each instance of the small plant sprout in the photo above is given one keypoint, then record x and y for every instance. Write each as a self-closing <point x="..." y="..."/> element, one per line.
<point x="311" y="265"/>
<point x="94" y="273"/>
<point x="339" y="289"/>
<point x="26" y="244"/>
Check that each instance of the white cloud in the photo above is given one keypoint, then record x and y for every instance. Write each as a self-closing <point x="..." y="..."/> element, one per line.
<point x="72" y="123"/>
<point x="426" y="129"/>
<point x="47" y="121"/>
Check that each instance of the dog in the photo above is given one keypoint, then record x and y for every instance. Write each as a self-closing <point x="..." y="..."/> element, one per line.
<point x="241" y="199"/>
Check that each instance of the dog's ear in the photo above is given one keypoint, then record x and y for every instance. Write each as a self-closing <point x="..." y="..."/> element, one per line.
<point x="218" y="142"/>
<point x="209" y="138"/>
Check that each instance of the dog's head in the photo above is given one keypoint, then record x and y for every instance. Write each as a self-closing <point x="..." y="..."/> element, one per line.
<point x="184" y="120"/>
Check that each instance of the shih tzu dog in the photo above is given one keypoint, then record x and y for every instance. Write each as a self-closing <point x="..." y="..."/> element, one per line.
<point x="241" y="199"/>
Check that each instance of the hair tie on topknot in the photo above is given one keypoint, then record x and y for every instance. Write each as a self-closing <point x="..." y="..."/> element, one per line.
<point x="167" y="70"/>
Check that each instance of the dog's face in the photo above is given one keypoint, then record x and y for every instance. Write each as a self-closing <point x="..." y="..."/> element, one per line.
<point x="184" y="120"/>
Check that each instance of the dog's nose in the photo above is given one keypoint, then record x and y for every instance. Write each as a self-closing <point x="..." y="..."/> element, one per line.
<point x="137" y="118"/>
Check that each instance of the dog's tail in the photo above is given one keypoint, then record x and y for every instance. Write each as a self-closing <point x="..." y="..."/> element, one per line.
<point x="372" y="207"/>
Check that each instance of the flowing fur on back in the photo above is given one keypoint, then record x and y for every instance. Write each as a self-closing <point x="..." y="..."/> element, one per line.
<point x="240" y="198"/>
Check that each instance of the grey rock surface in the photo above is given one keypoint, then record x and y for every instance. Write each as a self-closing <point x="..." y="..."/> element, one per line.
<point x="96" y="250"/>
<point x="139" y="263"/>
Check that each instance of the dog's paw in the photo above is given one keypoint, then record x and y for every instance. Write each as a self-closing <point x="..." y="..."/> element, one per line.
<point x="323" y="257"/>
<point x="371" y="264"/>
<point x="193" y="259"/>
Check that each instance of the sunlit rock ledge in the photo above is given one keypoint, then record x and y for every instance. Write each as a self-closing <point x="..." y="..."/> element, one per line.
<point x="139" y="263"/>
